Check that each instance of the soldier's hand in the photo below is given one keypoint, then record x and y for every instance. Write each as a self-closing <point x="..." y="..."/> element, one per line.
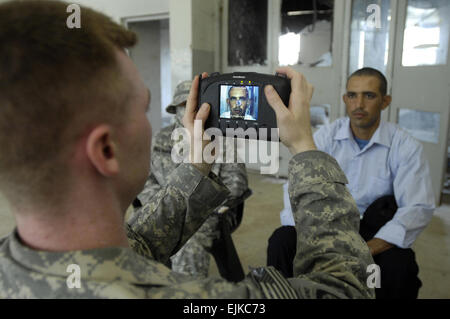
<point x="294" y="121"/>
<point x="194" y="122"/>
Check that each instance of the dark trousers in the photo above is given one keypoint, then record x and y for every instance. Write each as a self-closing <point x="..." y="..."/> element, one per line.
<point x="398" y="266"/>
<point x="223" y="249"/>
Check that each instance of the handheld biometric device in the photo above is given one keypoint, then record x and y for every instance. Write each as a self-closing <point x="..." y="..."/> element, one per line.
<point x="238" y="101"/>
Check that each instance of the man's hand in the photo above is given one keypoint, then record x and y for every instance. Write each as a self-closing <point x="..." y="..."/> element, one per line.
<point x="190" y="116"/>
<point x="294" y="121"/>
<point x="377" y="246"/>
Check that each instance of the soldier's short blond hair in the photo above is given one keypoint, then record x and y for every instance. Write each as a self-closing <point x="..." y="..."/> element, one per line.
<point x="55" y="83"/>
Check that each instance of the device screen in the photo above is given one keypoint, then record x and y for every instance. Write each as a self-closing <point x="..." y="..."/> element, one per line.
<point x="239" y="102"/>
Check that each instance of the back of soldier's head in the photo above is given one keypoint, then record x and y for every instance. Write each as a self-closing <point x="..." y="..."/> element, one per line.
<point x="55" y="82"/>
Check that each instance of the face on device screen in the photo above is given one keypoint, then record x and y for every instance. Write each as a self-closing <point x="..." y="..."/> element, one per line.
<point x="239" y="102"/>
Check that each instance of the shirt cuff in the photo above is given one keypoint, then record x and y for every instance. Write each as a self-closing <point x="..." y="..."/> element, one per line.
<point x="394" y="234"/>
<point x="286" y="218"/>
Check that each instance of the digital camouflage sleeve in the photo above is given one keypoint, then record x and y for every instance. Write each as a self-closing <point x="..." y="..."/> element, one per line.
<point x="175" y="212"/>
<point x="232" y="175"/>
<point x="193" y="257"/>
<point x="331" y="258"/>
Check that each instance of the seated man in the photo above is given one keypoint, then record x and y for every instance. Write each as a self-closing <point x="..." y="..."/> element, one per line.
<point x="75" y="152"/>
<point x="193" y="258"/>
<point x="378" y="159"/>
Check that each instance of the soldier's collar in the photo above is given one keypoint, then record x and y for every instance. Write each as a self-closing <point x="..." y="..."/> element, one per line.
<point x="102" y="264"/>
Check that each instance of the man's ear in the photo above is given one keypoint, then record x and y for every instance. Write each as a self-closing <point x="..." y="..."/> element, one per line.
<point x="387" y="99"/>
<point x="101" y="151"/>
<point x="344" y="98"/>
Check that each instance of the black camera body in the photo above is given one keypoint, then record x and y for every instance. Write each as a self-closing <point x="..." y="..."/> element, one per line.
<point x="238" y="101"/>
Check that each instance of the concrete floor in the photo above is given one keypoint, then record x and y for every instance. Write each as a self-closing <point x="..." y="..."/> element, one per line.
<point x="261" y="217"/>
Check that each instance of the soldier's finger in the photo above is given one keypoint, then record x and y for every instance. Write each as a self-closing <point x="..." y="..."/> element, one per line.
<point x="275" y="101"/>
<point x="191" y="103"/>
<point x="301" y="89"/>
<point x="203" y="113"/>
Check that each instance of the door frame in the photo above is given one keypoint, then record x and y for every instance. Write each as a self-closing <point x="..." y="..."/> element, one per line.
<point x="427" y="72"/>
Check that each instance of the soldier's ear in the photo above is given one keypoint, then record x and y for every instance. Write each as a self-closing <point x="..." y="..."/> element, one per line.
<point x="101" y="151"/>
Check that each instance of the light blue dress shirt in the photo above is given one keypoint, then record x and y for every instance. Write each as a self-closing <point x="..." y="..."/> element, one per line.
<point x="392" y="163"/>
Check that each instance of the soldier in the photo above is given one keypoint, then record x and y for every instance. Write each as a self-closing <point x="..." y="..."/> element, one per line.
<point x="75" y="144"/>
<point x="193" y="258"/>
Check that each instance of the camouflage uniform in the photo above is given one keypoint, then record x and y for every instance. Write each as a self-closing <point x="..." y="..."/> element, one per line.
<point x="331" y="258"/>
<point x="193" y="258"/>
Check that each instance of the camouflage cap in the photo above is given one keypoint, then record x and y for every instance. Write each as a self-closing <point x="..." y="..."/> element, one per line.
<point x="180" y="96"/>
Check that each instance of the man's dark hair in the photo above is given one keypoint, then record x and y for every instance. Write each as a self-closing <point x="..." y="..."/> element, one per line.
<point x="372" y="72"/>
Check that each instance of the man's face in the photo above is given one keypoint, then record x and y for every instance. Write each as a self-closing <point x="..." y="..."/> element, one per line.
<point x="364" y="102"/>
<point x="135" y="135"/>
<point x="238" y="102"/>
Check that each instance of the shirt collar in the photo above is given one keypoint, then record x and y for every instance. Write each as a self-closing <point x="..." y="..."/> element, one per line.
<point x="381" y="135"/>
<point x="344" y="132"/>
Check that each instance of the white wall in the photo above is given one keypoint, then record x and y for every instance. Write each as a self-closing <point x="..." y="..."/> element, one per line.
<point x="204" y="35"/>
<point x="118" y="9"/>
<point x="180" y="19"/>
<point x="166" y="76"/>
<point x="193" y="38"/>
<point x="188" y="56"/>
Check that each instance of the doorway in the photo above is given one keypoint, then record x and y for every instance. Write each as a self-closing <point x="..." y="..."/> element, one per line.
<point x="151" y="56"/>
